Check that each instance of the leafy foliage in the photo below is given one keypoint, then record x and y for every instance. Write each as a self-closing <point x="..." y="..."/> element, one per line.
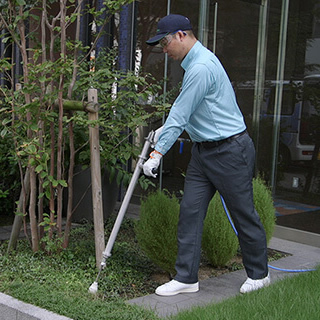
<point x="156" y="230"/>
<point x="122" y="98"/>
<point x="9" y="178"/>
<point x="263" y="203"/>
<point x="219" y="241"/>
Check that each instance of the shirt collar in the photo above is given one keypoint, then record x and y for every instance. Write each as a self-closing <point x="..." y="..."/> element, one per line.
<point x="190" y="55"/>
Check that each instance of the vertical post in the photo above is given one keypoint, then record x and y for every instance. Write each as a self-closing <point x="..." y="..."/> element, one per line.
<point x="279" y="88"/>
<point x="165" y="84"/>
<point x="260" y="74"/>
<point x="96" y="180"/>
<point x="203" y="22"/>
<point x="215" y="27"/>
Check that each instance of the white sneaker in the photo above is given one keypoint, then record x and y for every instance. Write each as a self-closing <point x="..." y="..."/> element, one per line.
<point x="251" y="285"/>
<point x="174" y="287"/>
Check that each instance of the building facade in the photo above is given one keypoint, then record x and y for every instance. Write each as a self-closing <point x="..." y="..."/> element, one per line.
<point x="271" y="52"/>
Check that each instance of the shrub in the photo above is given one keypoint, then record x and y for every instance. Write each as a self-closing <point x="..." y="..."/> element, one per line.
<point x="219" y="242"/>
<point x="263" y="203"/>
<point x="156" y="230"/>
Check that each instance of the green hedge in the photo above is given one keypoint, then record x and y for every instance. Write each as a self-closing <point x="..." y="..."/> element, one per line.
<point x="156" y="229"/>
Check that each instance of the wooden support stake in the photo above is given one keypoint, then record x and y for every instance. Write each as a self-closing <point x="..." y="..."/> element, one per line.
<point x="96" y="180"/>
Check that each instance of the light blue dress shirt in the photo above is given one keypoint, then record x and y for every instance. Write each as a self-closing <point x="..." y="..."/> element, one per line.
<point x="206" y="107"/>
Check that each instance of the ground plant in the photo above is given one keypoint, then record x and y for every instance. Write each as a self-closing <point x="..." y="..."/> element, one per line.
<point x="219" y="241"/>
<point x="263" y="203"/>
<point x="59" y="281"/>
<point x="157" y="227"/>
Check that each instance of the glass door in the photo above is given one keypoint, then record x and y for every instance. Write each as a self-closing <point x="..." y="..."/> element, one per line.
<point x="270" y="50"/>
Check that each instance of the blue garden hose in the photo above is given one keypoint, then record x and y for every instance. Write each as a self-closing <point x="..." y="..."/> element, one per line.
<point x="236" y="232"/>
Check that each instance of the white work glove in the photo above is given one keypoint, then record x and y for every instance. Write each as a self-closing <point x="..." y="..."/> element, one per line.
<point x="152" y="164"/>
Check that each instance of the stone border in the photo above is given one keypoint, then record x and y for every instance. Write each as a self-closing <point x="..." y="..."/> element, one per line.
<point x="14" y="309"/>
<point x="295" y="235"/>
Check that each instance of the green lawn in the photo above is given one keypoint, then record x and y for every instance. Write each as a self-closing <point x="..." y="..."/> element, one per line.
<point x="59" y="282"/>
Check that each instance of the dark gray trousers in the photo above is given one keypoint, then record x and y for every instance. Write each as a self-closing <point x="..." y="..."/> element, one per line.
<point x="227" y="168"/>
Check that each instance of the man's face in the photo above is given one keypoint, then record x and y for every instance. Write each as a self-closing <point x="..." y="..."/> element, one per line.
<point x="172" y="45"/>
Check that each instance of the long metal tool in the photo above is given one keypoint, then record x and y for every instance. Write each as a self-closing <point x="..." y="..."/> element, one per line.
<point x="150" y="141"/>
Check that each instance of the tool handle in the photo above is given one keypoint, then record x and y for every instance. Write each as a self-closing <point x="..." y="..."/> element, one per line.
<point x="127" y="197"/>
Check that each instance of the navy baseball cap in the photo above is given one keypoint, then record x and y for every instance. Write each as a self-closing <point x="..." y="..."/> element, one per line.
<point x="169" y="24"/>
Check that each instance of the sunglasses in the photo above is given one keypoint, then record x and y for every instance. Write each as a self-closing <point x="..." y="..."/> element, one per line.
<point x="168" y="38"/>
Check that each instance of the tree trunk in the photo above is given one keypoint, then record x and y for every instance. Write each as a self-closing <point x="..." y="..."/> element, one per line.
<point x="70" y="188"/>
<point x="60" y="119"/>
<point x="32" y="210"/>
<point x="18" y="220"/>
<point x="52" y="166"/>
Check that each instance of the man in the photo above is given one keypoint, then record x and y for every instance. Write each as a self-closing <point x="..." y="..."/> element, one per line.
<point x="222" y="158"/>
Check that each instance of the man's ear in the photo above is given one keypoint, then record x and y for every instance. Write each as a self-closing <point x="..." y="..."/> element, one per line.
<point x="181" y="34"/>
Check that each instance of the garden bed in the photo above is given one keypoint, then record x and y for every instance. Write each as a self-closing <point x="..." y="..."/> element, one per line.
<point x="128" y="274"/>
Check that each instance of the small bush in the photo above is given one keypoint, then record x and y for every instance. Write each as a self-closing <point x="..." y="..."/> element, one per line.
<point x="263" y="203"/>
<point x="156" y="230"/>
<point x="219" y="242"/>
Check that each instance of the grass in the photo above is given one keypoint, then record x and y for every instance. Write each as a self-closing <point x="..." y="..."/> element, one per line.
<point x="59" y="282"/>
<point x="293" y="298"/>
